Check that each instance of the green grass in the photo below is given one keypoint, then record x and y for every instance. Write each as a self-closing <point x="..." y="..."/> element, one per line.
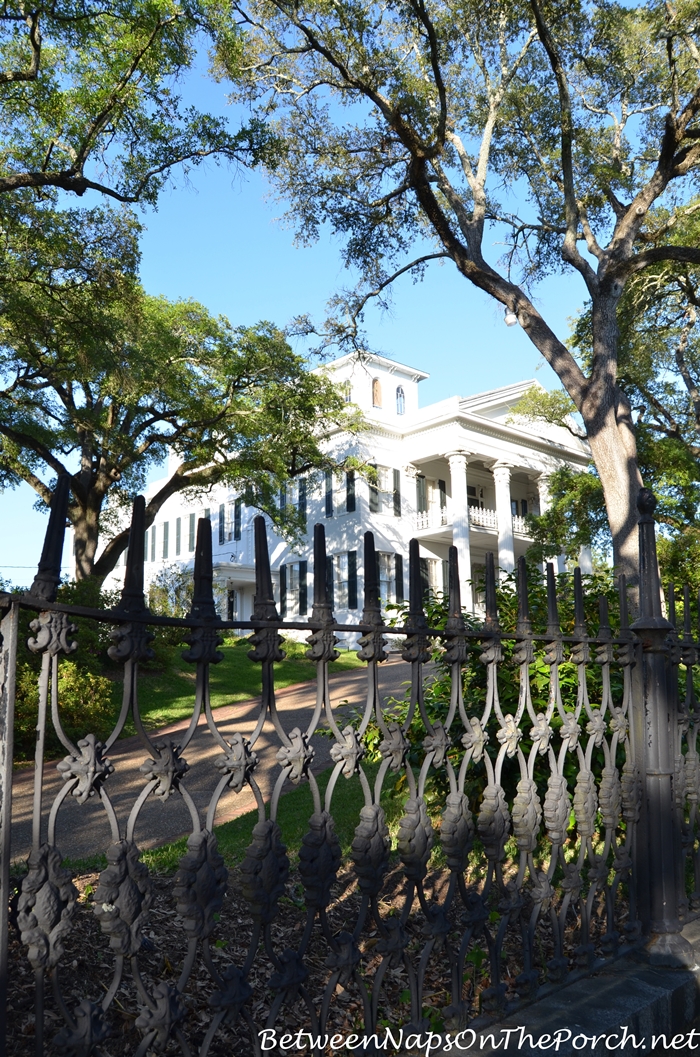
<point x="293" y="813"/>
<point x="166" y="695"/>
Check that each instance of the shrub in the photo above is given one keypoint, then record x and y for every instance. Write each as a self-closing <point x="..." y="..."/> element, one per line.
<point x="85" y="706"/>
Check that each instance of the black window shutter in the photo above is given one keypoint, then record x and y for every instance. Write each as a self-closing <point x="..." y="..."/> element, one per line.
<point x="398" y="576"/>
<point x="222" y="524"/>
<point x="397" y="493"/>
<point x="373" y="497"/>
<point x="329" y="493"/>
<point x="302" y="499"/>
<point x="303" y="592"/>
<point x="283" y="497"/>
<point x="283" y="591"/>
<point x="421" y="495"/>
<point x="237" y="506"/>
<point x="443" y="494"/>
<point x="329" y="579"/>
<point x="352" y="579"/>
<point x="350" y="491"/>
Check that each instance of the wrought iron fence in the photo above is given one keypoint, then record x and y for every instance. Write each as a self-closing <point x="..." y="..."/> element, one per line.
<point x="558" y="834"/>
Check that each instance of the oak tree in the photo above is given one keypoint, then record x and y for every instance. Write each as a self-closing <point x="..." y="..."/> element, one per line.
<point x="101" y="381"/>
<point x="424" y="129"/>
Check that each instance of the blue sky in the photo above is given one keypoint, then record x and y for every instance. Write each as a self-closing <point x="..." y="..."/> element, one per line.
<point x="216" y="238"/>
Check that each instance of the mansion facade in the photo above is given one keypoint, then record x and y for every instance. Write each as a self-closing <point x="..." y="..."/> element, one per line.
<point x="457" y="472"/>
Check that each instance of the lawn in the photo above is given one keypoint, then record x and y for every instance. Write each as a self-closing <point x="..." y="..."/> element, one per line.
<point x="293" y="813"/>
<point x="166" y="695"/>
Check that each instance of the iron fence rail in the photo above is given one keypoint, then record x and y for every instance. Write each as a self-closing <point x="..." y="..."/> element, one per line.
<point x="565" y="822"/>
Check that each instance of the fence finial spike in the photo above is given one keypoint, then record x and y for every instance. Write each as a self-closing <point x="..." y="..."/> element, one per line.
<point x="579" y="609"/>
<point x="372" y="613"/>
<point x="553" y="626"/>
<point x="48" y="575"/>
<point x="671" y="598"/>
<point x="203" y="593"/>
<point x="650" y="615"/>
<point x="322" y="607"/>
<point x="264" y="607"/>
<point x="454" y="589"/>
<point x="416" y="615"/>
<point x="132" y="597"/>
<point x="320" y="557"/>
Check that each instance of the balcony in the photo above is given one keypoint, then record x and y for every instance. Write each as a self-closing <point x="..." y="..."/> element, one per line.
<point x="479" y="517"/>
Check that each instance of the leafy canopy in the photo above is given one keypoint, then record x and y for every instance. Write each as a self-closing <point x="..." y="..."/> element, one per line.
<point x="88" y="98"/>
<point x="101" y="380"/>
<point x="566" y="133"/>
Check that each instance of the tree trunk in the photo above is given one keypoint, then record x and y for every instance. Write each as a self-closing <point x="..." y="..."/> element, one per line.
<point x="86" y="531"/>
<point x="614" y="452"/>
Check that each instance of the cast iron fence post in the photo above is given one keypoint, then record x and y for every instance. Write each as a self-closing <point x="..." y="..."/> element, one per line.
<point x="658" y="835"/>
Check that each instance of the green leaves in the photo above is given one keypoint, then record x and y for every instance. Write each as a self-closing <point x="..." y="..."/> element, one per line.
<point x="101" y="109"/>
<point x="95" y="372"/>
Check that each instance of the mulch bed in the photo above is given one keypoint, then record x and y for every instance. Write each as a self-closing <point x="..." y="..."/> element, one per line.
<point x="87" y="966"/>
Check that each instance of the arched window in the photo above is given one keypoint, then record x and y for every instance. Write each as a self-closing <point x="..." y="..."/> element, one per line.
<point x="376" y="393"/>
<point x="400" y="400"/>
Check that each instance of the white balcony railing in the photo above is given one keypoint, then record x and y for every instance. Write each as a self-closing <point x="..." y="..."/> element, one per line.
<point x="479" y="517"/>
<point x="433" y="518"/>
<point x="482" y="517"/>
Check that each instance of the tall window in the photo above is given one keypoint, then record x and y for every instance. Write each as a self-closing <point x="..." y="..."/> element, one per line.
<point x="386" y="572"/>
<point x="222" y="524"/>
<point x="166" y="538"/>
<point x="472" y="498"/>
<point x="190" y="541"/>
<point x="431" y="575"/>
<point x="237" y="510"/>
<point x="293" y="589"/>
<point x="347" y="392"/>
<point x="283" y="497"/>
<point x="232" y="604"/>
<point x="178" y="536"/>
<point x="386" y="494"/>
<point x="400" y="400"/>
<point x="345" y="580"/>
<point x="376" y="393"/>
<point x="153" y="543"/>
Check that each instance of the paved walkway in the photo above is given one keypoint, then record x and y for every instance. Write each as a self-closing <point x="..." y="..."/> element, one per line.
<point x="83" y="829"/>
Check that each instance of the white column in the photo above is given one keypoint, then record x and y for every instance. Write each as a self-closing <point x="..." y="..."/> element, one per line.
<point x="460" y="523"/>
<point x="585" y="560"/>
<point x="504" y="514"/>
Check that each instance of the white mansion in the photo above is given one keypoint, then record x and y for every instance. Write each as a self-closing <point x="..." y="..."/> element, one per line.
<point x="455" y="472"/>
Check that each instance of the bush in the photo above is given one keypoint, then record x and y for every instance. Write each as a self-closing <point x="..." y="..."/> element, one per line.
<point x="84" y="707"/>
